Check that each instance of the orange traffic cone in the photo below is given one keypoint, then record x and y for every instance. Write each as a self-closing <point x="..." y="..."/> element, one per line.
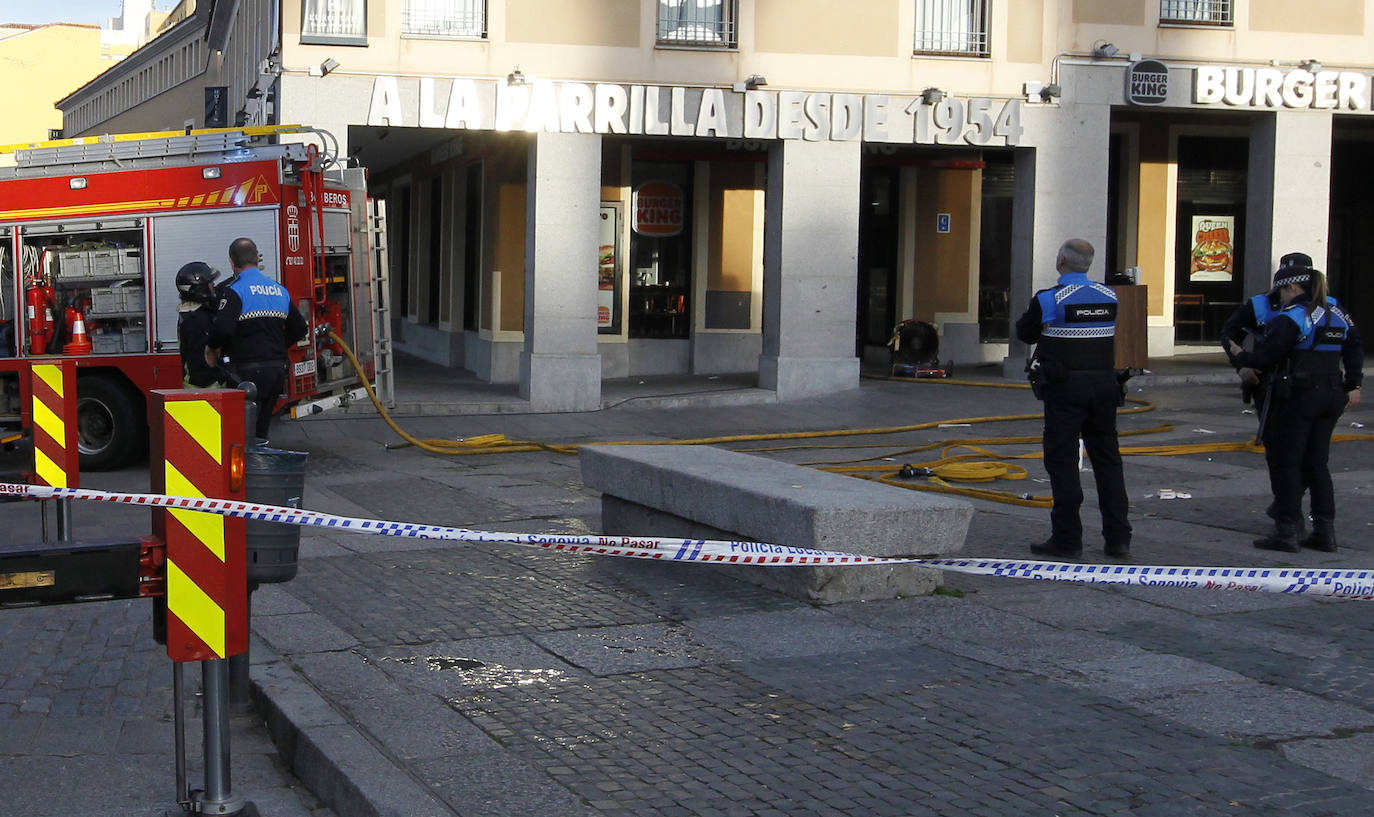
<point x="79" y="344"/>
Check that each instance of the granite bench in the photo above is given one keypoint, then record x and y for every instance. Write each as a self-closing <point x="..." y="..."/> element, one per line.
<point x="701" y="492"/>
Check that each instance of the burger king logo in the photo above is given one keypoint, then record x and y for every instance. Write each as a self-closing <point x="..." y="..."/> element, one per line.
<point x="658" y="209"/>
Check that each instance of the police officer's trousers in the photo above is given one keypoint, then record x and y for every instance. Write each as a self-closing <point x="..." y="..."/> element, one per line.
<point x="270" y="380"/>
<point x="1297" y="443"/>
<point x="1084" y="405"/>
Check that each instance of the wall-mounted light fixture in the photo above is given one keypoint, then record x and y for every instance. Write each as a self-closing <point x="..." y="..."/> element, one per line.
<point x="1031" y="89"/>
<point x="755" y="81"/>
<point x="323" y="68"/>
<point x="932" y="96"/>
<point x="1051" y="92"/>
<point x="515" y="77"/>
<point x="1310" y="66"/>
<point x="1103" y="49"/>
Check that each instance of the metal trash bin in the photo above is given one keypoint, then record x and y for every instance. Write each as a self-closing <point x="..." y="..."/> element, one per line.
<point x="273" y="476"/>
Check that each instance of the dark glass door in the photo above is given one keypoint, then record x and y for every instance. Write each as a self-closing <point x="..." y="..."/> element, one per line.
<point x="877" y="285"/>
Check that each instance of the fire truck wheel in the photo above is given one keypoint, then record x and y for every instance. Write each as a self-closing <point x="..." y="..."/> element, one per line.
<point x="110" y="428"/>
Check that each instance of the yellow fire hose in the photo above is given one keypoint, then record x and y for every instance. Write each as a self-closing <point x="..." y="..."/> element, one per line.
<point x="958" y="467"/>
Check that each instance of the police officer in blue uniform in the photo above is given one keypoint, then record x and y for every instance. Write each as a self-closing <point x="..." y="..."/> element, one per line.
<point x="1073" y="325"/>
<point x="1248" y="323"/>
<point x="1249" y="320"/>
<point x="255" y="323"/>
<point x="1317" y="361"/>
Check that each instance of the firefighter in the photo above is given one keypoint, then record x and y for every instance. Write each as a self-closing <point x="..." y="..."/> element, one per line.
<point x="1306" y="347"/>
<point x="1073" y="325"/>
<point x="200" y="367"/>
<point x="255" y="324"/>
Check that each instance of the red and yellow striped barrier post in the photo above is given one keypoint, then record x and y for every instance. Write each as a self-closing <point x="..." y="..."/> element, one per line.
<point x="56" y="458"/>
<point x="197" y="451"/>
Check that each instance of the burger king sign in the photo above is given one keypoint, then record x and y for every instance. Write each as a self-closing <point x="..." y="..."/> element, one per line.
<point x="657" y="209"/>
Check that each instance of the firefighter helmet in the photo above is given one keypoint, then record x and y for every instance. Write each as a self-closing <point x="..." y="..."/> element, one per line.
<point x="196" y="282"/>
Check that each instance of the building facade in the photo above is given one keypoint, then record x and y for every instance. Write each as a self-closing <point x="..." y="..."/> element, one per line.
<point x="768" y="186"/>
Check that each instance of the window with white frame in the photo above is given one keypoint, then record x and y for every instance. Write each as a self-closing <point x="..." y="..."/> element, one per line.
<point x="708" y="23"/>
<point x="336" y="22"/>
<point x="958" y="27"/>
<point x="445" y="18"/>
<point x="1198" y="12"/>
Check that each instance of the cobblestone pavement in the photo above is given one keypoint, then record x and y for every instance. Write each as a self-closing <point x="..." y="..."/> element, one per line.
<point x="503" y="681"/>
<point x="86" y="721"/>
<point x="418" y="678"/>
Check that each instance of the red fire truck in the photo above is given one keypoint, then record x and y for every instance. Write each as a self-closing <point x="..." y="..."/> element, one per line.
<point x="93" y="231"/>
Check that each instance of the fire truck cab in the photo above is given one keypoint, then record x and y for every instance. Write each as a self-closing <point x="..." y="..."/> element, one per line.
<point x="93" y="231"/>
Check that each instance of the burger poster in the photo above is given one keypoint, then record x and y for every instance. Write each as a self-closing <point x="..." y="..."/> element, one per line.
<point x="1213" y="255"/>
<point x="606" y="267"/>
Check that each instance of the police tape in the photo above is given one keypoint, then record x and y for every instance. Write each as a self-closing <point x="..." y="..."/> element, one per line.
<point x="1335" y="583"/>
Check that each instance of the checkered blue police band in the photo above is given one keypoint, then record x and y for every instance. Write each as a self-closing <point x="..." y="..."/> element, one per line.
<point x="1079" y="332"/>
<point x="263" y="313"/>
<point x="1296" y="278"/>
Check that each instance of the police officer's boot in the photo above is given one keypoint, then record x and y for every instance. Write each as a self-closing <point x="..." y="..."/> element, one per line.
<point x="1323" y="535"/>
<point x="1284" y="537"/>
<point x="1273" y="513"/>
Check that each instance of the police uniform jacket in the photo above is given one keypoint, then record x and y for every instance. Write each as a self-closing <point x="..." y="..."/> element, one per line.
<point x="1318" y="346"/>
<point x="256" y="320"/>
<point x="1073" y="324"/>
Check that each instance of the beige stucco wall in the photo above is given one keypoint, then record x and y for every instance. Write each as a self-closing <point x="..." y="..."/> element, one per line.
<point x="39" y="67"/>
<point x="1110" y="12"/>
<point x="1026" y="31"/>
<point x="819" y="44"/>
<point x="574" y="22"/>
<point x="866" y="29"/>
<point x="1316" y="17"/>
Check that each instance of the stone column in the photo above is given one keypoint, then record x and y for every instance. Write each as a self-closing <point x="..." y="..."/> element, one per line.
<point x="560" y="369"/>
<point x="1061" y="193"/>
<point x="1288" y="193"/>
<point x="810" y="268"/>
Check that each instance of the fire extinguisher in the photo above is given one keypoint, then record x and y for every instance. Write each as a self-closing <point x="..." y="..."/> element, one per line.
<point x="42" y="327"/>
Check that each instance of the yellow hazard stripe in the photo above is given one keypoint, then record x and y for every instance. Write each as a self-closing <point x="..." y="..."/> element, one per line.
<point x="46" y="419"/>
<point x="86" y="209"/>
<point x="48" y="471"/>
<point x="52" y="375"/>
<point x="202" y="421"/>
<point x="207" y="527"/>
<point x="195" y="609"/>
